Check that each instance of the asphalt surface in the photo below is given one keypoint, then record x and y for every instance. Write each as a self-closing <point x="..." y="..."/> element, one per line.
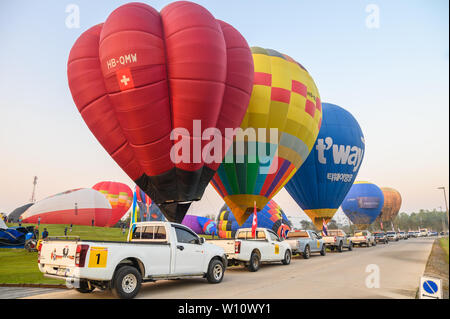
<point x="383" y="271"/>
<point x="19" y="292"/>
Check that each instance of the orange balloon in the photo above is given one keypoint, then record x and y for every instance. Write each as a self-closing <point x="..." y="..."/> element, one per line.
<point x="392" y="204"/>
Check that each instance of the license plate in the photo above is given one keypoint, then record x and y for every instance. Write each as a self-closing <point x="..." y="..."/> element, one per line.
<point x="61" y="271"/>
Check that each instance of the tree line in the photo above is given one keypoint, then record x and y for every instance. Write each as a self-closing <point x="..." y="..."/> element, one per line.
<point x="432" y="220"/>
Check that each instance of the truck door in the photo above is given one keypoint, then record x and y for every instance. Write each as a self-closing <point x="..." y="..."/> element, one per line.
<point x="274" y="248"/>
<point x="189" y="253"/>
<point x="315" y="243"/>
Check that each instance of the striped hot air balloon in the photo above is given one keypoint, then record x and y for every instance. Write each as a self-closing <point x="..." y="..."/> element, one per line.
<point x="284" y="98"/>
<point x="119" y="196"/>
<point x="271" y="216"/>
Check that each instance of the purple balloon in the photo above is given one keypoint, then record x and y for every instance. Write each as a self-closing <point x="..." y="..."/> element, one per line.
<point x="191" y="221"/>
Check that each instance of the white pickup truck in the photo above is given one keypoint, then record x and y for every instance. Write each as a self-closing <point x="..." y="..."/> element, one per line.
<point x="157" y="250"/>
<point x="337" y="239"/>
<point x="266" y="246"/>
<point x="363" y="237"/>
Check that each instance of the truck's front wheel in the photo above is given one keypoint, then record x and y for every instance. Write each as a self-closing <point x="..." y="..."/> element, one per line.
<point x="127" y="282"/>
<point x="215" y="271"/>
<point x="323" y="251"/>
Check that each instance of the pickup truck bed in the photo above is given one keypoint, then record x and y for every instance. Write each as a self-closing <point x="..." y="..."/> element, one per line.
<point x="305" y="242"/>
<point x="266" y="247"/>
<point x="337" y="240"/>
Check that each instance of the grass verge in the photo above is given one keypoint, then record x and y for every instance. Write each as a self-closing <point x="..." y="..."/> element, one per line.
<point x="444" y="245"/>
<point x="18" y="266"/>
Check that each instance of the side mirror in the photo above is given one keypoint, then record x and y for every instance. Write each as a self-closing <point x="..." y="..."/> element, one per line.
<point x="202" y="240"/>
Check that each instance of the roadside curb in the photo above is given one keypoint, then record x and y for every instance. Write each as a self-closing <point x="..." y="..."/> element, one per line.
<point x="436" y="267"/>
<point x="35" y="286"/>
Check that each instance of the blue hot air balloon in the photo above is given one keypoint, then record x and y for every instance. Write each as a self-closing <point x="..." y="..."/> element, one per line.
<point x="322" y="182"/>
<point x="363" y="204"/>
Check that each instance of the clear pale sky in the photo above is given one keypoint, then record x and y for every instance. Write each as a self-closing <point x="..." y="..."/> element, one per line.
<point x="394" y="79"/>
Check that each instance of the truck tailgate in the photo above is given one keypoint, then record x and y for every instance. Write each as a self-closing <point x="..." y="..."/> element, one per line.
<point x="58" y="257"/>
<point x="226" y="244"/>
<point x="329" y="240"/>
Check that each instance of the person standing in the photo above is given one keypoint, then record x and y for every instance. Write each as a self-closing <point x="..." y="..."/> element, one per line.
<point x="92" y="222"/>
<point x="39" y="220"/>
<point x="65" y="231"/>
<point x="44" y="233"/>
<point x="70" y="228"/>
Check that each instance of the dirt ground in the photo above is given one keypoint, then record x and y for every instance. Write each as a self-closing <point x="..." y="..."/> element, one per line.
<point x="438" y="267"/>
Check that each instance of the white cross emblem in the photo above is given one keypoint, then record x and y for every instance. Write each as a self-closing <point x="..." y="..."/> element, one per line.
<point x="125" y="80"/>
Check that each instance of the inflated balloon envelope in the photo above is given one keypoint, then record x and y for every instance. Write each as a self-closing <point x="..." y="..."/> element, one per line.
<point x="284" y="98"/>
<point x="323" y="181"/>
<point x="392" y="204"/>
<point x="119" y="196"/>
<point x="363" y="204"/>
<point x="144" y="73"/>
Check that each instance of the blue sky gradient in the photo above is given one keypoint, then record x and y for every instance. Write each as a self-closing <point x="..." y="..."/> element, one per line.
<point x="393" y="79"/>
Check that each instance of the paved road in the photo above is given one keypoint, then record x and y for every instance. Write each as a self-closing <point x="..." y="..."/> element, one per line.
<point x="336" y="275"/>
<point x="20" y="292"/>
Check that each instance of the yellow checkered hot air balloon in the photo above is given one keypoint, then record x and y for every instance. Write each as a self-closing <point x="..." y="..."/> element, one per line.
<point x="286" y="100"/>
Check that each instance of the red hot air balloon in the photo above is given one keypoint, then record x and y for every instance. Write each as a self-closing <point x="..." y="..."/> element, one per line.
<point x="119" y="195"/>
<point x="144" y="74"/>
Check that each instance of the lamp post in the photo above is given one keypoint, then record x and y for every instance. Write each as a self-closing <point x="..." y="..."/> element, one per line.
<point x="446" y="205"/>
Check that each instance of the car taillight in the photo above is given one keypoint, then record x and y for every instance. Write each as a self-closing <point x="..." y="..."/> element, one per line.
<point x="365" y="237"/>
<point x="80" y="255"/>
<point x="237" y="247"/>
<point x="335" y="239"/>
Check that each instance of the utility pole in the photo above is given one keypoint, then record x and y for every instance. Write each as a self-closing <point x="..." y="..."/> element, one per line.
<point x="33" y="198"/>
<point x="446" y="205"/>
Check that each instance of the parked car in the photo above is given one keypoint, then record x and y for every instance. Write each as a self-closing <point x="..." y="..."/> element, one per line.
<point x="403" y="235"/>
<point x="432" y="233"/>
<point x="251" y="251"/>
<point x="305" y="242"/>
<point x="423" y="232"/>
<point x="392" y="236"/>
<point x="363" y="237"/>
<point x="337" y="239"/>
<point x="157" y="250"/>
<point x="380" y="237"/>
